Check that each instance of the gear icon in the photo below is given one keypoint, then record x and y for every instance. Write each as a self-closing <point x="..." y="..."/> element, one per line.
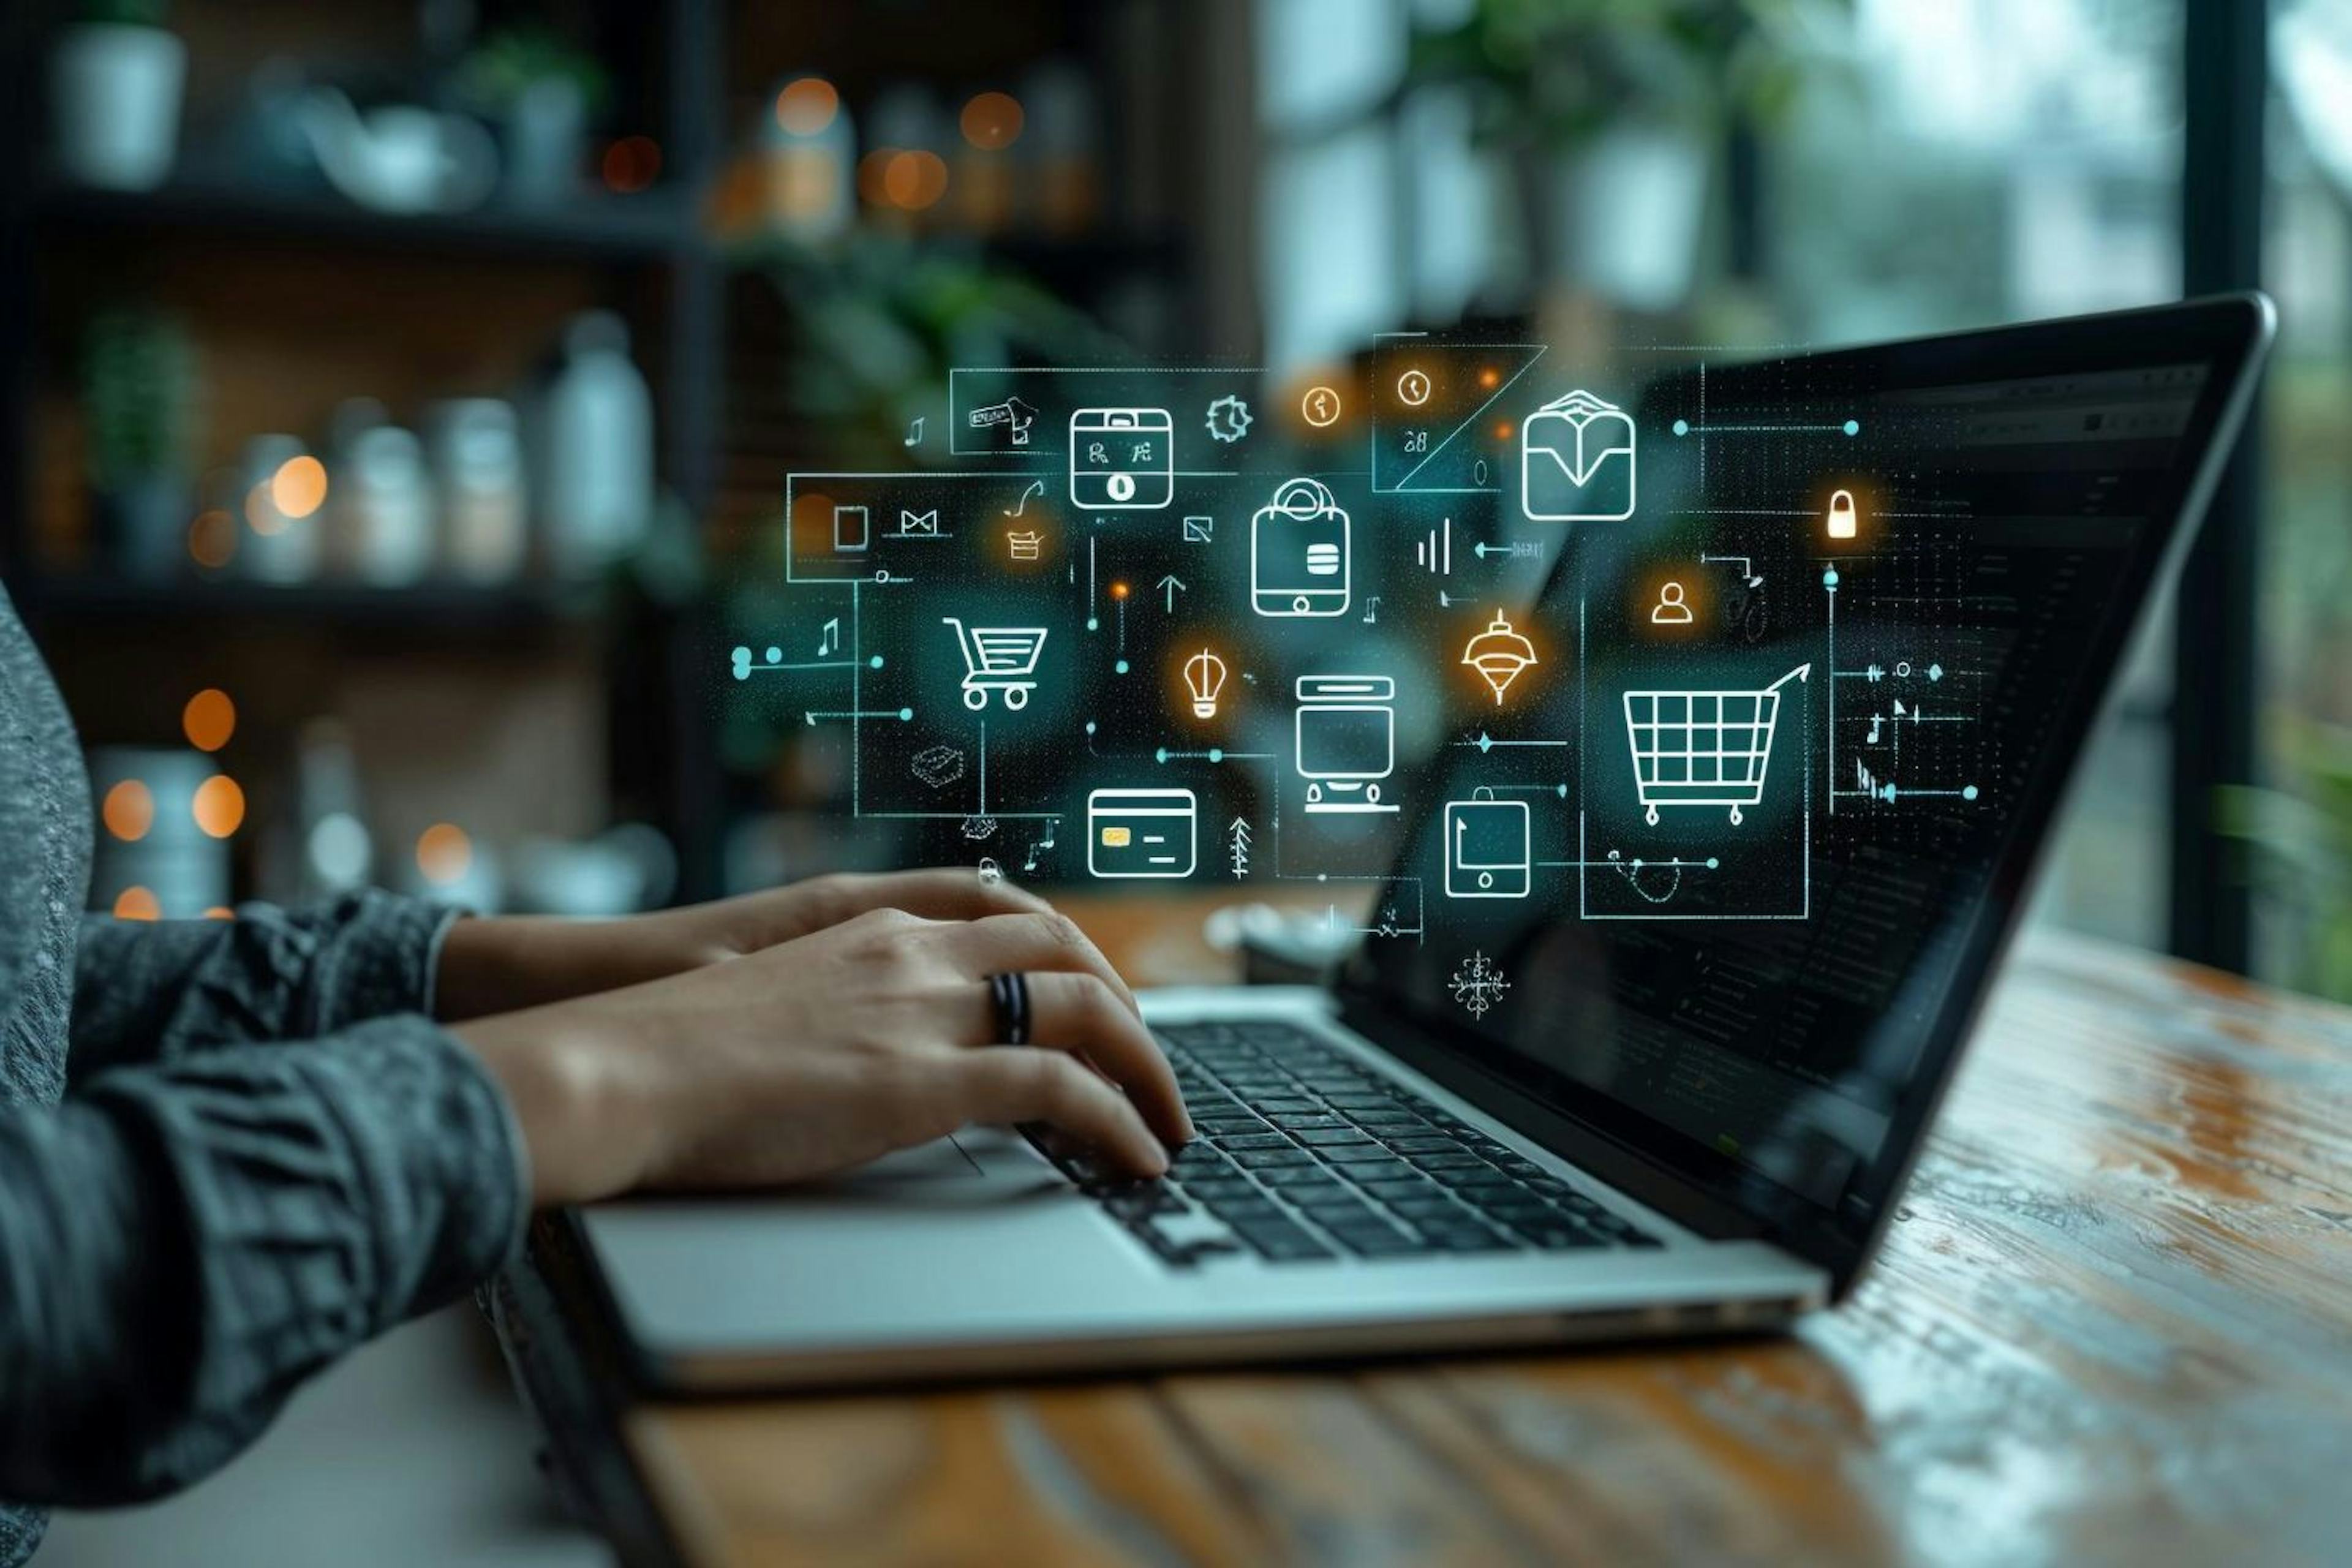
<point x="1228" y="419"/>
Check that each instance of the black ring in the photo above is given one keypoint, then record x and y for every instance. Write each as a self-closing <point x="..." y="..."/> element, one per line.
<point x="1011" y="995"/>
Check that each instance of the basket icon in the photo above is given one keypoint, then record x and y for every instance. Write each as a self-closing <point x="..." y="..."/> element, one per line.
<point x="1703" y="748"/>
<point x="999" y="660"/>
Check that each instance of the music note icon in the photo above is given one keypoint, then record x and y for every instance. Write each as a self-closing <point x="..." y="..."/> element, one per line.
<point x="915" y="432"/>
<point x="830" y="641"/>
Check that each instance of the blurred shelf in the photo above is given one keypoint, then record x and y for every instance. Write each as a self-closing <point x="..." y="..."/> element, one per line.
<point x="1052" y="258"/>
<point x="657" y="225"/>
<point x="426" y="609"/>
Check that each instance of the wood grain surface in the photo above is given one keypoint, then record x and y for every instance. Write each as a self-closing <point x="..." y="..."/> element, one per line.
<point x="2112" y="1323"/>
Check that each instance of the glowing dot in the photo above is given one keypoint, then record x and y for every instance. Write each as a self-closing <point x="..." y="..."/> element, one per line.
<point x="211" y="539"/>
<point x="807" y="106"/>
<point x="208" y="719"/>
<point x="1503" y="431"/>
<point x="444" y="852"/>
<point x="298" y="486"/>
<point x="875" y="663"/>
<point x="1681" y="427"/>
<point x="1969" y="793"/>
<point x="632" y="164"/>
<point x="1488" y="377"/>
<point x="129" y="811"/>
<point x="137" y="904"/>
<point x="1854" y="428"/>
<point x="1830" y="578"/>
<point x="775" y="654"/>
<point x="1161" y="756"/>
<point x="1119" y="590"/>
<point x="906" y="715"/>
<point x="1093" y="625"/>
<point x="992" y="121"/>
<point x="1216" y="753"/>
<point x="914" y="180"/>
<point x="1637" y="862"/>
<point x="220" y="912"/>
<point x="1090" y="726"/>
<point x="1120" y="668"/>
<point x="1712" y="862"/>
<point x="219" y="806"/>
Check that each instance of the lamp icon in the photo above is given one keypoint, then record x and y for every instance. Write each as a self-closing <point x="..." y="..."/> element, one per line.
<point x="1204" y="676"/>
<point x="1500" y="654"/>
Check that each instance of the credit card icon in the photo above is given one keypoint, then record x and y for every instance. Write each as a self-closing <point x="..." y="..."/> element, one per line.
<point x="1141" y="831"/>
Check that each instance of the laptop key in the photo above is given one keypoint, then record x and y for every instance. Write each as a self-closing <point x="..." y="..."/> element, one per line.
<point x="1254" y="1141"/>
<point x="1378" y="1241"/>
<point x="1269" y="1159"/>
<point x="1282" y="1242"/>
<point x="1333" y="1137"/>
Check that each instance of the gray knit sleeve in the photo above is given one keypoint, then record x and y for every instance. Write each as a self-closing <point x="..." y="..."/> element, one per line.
<point x="146" y="991"/>
<point x="181" y="1244"/>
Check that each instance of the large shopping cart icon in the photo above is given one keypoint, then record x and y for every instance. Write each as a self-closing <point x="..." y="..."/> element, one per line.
<point x="1000" y="659"/>
<point x="1703" y="748"/>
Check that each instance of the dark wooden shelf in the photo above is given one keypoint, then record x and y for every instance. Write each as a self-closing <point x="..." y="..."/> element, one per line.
<point x="656" y="226"/>
<point x="430" y="607"/>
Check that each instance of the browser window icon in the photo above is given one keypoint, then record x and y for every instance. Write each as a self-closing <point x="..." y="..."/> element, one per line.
<point x="1576" y="461"/>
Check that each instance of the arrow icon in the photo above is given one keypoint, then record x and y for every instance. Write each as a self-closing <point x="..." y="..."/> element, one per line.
<point x="1174" y="586"/>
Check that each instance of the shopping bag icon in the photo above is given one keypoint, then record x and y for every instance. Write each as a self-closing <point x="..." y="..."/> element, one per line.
<point x="1576" y="461"/>
<point x="1298" y="553"/>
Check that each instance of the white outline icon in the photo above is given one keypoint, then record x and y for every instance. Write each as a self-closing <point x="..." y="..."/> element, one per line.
<point x="1581" y="439"/>
<point x="1140" y="478"/>
<point x="1843" y="521"/>
<point x="1485" y="877"/>
<point x="1326" y="705"/>
<point x="1228" y="419"/>
<point x="997" y="658"/>
<point x="1703" y="748"/>
<point x="1413" y="387"/>
<point x="1311" y="569"/>
<point x="1500" y="654"/>
<point x="1321" y="406"/>
<point x="1141" y="828"/>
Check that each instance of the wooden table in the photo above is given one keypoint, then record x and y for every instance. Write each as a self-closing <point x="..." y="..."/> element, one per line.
<point x="2114" y="1322"/>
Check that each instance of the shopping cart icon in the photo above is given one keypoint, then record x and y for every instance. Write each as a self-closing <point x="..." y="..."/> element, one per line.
<point x="1703" y="748"/>
<point x="998" y="658"/>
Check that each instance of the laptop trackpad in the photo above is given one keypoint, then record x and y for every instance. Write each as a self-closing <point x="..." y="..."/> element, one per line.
<point x="976" y="1158"/>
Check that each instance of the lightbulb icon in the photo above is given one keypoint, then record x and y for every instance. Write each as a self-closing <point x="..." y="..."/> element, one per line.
<point x="1204" y="676"/>
<point x="1500" y="654"/>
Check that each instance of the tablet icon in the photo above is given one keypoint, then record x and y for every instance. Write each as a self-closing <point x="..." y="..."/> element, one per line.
<point x="1488" y="853"/>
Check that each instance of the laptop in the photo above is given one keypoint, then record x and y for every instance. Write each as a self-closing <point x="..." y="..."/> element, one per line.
<point x="1672" y="1079"/>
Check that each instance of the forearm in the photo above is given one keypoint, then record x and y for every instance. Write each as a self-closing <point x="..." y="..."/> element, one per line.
<point x="184" y="1245"/>
<point x="512" y="963"/>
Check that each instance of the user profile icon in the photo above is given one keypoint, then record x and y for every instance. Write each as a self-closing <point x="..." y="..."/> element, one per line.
<point x="1671" y="610"/>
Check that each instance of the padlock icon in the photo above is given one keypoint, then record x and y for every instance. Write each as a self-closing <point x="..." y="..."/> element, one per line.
<point x="1841" y="514"/>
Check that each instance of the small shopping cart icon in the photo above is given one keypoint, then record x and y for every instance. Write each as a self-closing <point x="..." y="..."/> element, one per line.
<point x="1000" y="659"/>
<point x="1703" y="748"/>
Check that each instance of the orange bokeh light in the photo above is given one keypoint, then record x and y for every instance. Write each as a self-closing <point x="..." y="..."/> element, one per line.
<point x="807" y="106"/>
<point x="1503" y="431"/>
<point x="1488" y="377"/>
<point x="991" y="121"/>
<point x="915" y="180"/>
<point x="1119" y="590"/>
<point x="209" y="720"/>
<point x="219" y="806"/>
<point x="127" y="811"/>
<point x="138" y="904"/>
<point x="632" y="164"/>
<point x="444" y="852"/>
<point x="211" y="539"/>
<point x="220" y="912"/>
<point x="298" y="488"/>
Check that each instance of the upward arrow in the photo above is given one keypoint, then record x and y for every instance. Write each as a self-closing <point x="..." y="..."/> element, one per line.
<point x="1239" y="829"/>
<point x="1174" y="586"/>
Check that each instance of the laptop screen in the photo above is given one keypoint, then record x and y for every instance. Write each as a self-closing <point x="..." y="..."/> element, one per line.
<point x="1725" y="896"/>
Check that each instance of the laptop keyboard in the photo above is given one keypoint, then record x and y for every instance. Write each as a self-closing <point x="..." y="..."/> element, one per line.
<point x="1306" y="1157"/>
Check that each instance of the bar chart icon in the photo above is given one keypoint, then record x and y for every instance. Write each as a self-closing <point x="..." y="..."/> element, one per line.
<point x="1435" y="552"/>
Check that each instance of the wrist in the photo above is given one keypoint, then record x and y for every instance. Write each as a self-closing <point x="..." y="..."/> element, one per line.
<point x="564" y="1077"/>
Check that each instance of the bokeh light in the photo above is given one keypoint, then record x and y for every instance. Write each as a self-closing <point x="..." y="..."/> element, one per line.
<point x="219" y="806"/>
<point x="632" y="164"/>
<point x="807" y="106"/>
<point x="211" y="539"/>
<point x="298" y="488"/>
<point x="992" y="121"/>
<point x="220" y="912"/>
<point x="915" y="180"/>
<point x="209" y="720"/>
<point x="127" y="811"/>
<point x="444" y="852"/>
<point x="261" y="512"/>
<point x="137" y="904"/>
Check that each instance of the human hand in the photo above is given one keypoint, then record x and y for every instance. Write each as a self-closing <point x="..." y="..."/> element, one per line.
<point x="499" y="966"/>
<point x="829" y="1050"/>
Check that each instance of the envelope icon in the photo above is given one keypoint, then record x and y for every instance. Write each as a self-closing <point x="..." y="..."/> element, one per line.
<point x="1576" y="461"/>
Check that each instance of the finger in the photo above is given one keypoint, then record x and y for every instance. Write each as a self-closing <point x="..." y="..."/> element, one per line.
<point x="950" y="893"/>
<point x="1079" y="1013"/>
<point x="1028" y="942"/>
<point x="1015" y="1085"/>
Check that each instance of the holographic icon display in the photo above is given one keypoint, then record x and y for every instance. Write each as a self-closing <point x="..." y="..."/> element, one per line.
<point x="1703" y="748"/>
<point x="1501" y="655"/>
<point x="1204" y="678"/>
<point x="1319" y="408"/>
<point x="1228" y="419"/>
<point x="1672" y="609"/>
<point x="1137" y="833"/>
<point x="1344" y="738"/>
<point x="1477" y="984"/>
<point x="1488" y="852"/>
<point x="1843" y="521"/>
<point x="1576" y="461"/>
